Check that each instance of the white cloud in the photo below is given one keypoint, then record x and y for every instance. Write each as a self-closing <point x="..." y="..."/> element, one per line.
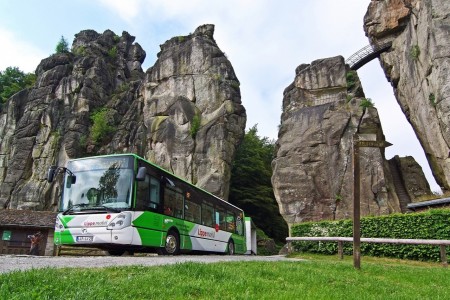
<point x="127" y="10"/>
<point x="17" y="53"/>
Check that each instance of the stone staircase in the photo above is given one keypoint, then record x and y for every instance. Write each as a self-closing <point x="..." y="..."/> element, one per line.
<point x="400" y="189"/>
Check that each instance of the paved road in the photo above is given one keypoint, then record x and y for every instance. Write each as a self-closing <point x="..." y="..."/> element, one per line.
<point x="10" y="263"/>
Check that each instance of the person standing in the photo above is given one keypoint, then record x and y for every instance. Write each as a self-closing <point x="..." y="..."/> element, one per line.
<point x="35" y="240"/>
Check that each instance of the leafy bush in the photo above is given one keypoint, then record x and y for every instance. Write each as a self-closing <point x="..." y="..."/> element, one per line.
<point x="112" y="52"/>
<point x="433" y="224"/>
<point x="351" y="79"/>
<point x="101" y="128"/>
<point x="414" y="52"/>
<point x="62" y="46"/>
<point x="80" y="51"/>
<point x="195" y="125"/>
<point x="432" y="99"/>
<point x="366" y="102"/>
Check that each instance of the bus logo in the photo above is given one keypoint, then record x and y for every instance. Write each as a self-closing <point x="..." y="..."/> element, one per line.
<point x="207" y="234"/>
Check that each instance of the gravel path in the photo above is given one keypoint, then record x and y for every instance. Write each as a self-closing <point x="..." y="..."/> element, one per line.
<point x="10" y="263"/>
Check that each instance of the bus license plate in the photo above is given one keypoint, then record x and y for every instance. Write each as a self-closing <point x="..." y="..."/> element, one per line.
<point x="84" y="239"/>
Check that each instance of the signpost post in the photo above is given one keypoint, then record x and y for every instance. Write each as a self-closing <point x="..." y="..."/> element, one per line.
<point x="356" y="196"/>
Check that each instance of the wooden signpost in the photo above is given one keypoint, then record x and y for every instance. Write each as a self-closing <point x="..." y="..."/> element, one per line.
<point x="356" y="196"/>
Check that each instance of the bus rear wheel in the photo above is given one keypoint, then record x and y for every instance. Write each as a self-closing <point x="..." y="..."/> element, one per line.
<point x="172" y="246"/>
<point x="231" y="248"/>
<point x="117" y="252"/>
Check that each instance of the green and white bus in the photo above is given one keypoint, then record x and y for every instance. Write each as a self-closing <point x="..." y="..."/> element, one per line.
<point x="124" y="203"/>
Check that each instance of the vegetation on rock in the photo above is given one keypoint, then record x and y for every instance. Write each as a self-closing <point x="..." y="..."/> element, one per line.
<point x="101" y="127"/>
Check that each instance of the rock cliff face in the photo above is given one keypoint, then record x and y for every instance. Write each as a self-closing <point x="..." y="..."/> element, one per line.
<point x="312" y="172"/>
<point x="184" y="113"/>
<point x="324" y="110"/>
<point x="417" y="66"/>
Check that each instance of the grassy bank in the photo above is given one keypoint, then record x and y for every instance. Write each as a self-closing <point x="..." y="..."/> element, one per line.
<point x="317" y="278"/>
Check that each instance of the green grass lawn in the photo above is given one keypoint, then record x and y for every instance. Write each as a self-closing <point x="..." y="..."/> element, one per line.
<point x="319" y="277"/>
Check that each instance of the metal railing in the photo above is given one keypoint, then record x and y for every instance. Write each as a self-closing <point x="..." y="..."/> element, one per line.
<point x="366" y="54"/>
<point x="340" y="240"/>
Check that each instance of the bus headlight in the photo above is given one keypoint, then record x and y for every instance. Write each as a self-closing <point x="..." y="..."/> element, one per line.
<point x="121" y="221"/>
<point x="58" y="225"/>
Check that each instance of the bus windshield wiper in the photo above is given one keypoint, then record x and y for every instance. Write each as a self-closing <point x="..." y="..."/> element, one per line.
<point x="107" y="208"/>
<point x="75" y="206"/>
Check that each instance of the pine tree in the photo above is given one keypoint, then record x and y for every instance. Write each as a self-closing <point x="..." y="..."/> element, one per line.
<point x="62" y="46"/>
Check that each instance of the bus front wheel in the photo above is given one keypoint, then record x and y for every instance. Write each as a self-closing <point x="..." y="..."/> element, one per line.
<point x="172" y="246"/>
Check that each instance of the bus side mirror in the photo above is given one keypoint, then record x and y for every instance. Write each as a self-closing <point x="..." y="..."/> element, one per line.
<point x="51" y="174"/>
<point x="142" y="172"/>
<point x="71" y="179"/>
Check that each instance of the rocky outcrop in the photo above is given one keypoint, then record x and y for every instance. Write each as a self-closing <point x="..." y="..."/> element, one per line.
<point x="417" y="66"/>
<point x="413" y="178"/>
<point x="192" y="117"/>
<point x="323" y="109"/>
<point x="184" y="113"/>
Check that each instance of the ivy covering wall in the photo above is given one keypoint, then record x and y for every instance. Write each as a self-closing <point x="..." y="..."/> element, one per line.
<point x="432" y="224"/>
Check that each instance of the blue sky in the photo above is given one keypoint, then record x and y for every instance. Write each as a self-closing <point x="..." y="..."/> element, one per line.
<point x="265" y="41"/>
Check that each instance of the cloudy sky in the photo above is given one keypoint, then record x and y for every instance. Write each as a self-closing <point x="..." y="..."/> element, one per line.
<point x="265" y="40"/>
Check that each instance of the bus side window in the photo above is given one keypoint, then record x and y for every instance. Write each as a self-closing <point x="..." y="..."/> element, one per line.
<point x="231" y="222"/>
<point x="154" y="193"/>
<point x="207" y="215"/>
<point x="192" y="211"/>
<point x="221" y="219"/>
<point x="143" y="194"/>
<point x="173" y="203"/>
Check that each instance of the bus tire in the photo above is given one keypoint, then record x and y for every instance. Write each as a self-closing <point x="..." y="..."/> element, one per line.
<point x="231" y="249"/>
<point x="172" y="246"/>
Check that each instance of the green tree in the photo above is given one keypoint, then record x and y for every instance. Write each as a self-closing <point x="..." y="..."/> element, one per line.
<point x="251" y="186"/>
<point x="62" y="46"/>
<point x="13" y="80"/>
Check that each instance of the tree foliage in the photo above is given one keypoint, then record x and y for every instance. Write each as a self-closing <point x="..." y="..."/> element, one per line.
<point x="62" y="46"/>
<point x="13" y="80"/>
<point x="251" y="187"/>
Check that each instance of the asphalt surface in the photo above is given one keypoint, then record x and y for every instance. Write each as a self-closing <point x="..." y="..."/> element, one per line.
<point x="9" y="263"/>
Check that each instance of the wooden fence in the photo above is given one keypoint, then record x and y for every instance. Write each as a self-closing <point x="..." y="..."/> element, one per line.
<point x="340" y="240"/>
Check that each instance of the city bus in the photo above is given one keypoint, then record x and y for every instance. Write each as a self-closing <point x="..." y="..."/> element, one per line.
<point x="123" y="203"/>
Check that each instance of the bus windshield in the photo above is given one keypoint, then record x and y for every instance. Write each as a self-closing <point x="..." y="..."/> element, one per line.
<point x="100" y="183"/>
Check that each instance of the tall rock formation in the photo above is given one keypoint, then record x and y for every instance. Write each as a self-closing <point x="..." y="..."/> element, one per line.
<point x="418" y="67"/>
<point x="312" y="172"/>
<point x="184" y="113"/>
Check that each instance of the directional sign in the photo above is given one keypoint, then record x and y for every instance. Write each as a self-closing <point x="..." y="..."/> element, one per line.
<point x="373" y="144"/>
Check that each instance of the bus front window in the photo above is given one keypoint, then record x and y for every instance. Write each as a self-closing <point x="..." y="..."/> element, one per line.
<point x="100" y="182"/>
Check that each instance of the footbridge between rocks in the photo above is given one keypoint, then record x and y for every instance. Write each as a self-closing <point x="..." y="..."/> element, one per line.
<point x="367" y="54"/>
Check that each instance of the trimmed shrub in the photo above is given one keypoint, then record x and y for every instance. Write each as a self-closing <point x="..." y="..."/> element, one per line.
<point x="432" y="224"/>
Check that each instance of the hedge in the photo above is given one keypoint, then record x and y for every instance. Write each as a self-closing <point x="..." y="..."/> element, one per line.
<point x="432" y="224"/>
